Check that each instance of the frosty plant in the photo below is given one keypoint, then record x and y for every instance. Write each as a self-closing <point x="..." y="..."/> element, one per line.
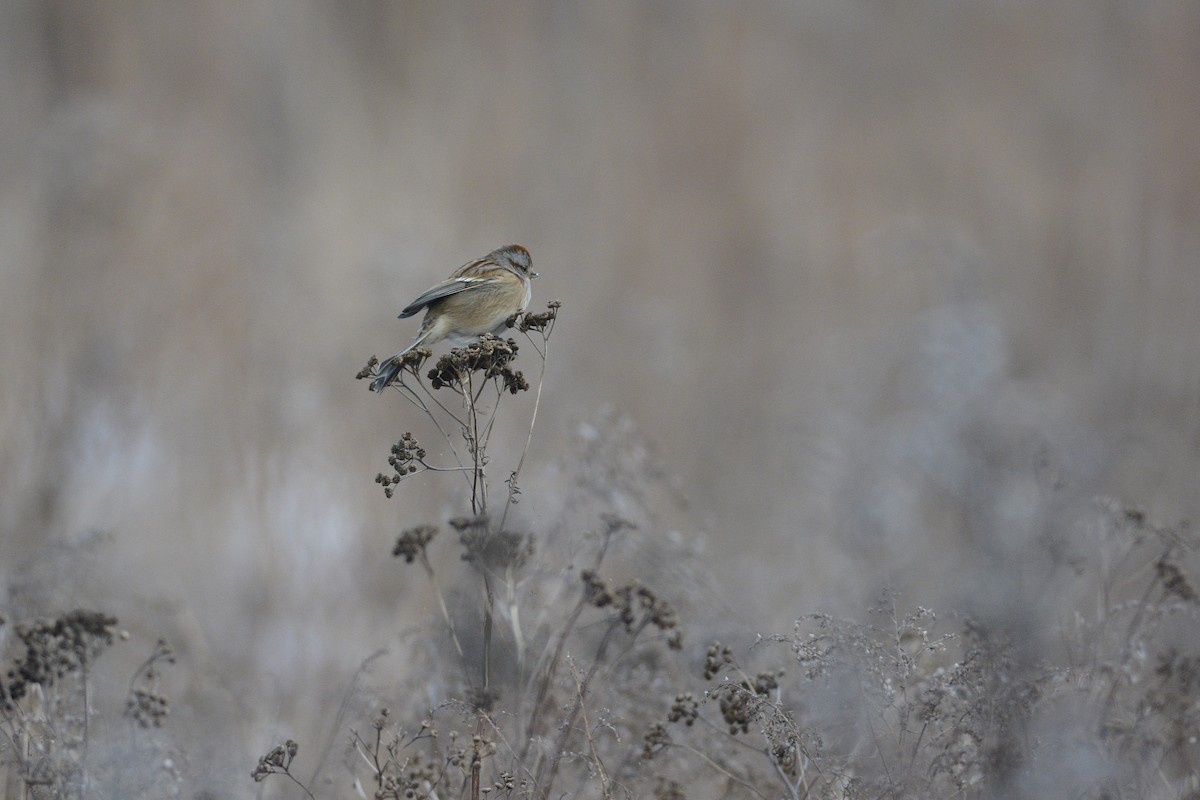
<point x="566" y="633"/>
<point x="478" y="375"/>
<point x="461" y="395"/>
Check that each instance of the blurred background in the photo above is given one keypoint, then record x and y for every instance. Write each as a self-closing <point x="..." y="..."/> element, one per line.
<point x="889" y="291"/>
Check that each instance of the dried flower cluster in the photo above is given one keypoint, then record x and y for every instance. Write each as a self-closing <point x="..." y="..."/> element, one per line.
<point x="717" y="657"/>
<point x="655" y="740"/>
<point x="406" y="457"/>
<point x="410" y="363"/>
<point x="495" y="550"/>
<point x="413" y="541"/>
<point x="1174" y="581"/>
<point x="685" y="709"/>
<point x="636" y="606"/>
<point x="146" y="704"/>
<point x="276" y="762"/>
<point x="56" y="648"/>
<point x="489" y="357"/>
<point x="537" y="322"/>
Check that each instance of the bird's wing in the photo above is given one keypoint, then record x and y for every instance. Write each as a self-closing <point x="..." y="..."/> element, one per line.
<point x="443" y="289"/>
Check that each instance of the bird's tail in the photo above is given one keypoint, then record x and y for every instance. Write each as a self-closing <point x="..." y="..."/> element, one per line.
<point x="387" y="373"/>
<point x="388" y="370"/>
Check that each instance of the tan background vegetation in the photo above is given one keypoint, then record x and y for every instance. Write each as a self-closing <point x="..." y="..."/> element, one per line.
<point x="891" y="289"/>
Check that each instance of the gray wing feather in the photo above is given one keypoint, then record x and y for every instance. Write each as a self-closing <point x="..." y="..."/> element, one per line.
<point x="444" y="289"/>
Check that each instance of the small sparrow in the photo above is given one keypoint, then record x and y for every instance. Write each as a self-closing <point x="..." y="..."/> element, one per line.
<point x="477" y="299"/>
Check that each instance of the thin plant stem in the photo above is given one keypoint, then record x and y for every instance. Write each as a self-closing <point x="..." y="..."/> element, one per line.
<point x="478" y="484"/>
<point x="408" y="393"/>
<point x="1134" y="625"/>
<point x="723" y="770"/>
<point x="343" y="709"/>
<point x="298" y="783"/>
<point x="437" y="591"/>
<point x="547" y="675"/>
<point x="489" y="605"/>
<point x="569" y="724"/>
<point x="514" y="622"/>
<point x="512" y="480"/>
<point x="87" y="713"/>
<point x="587" y="733"/>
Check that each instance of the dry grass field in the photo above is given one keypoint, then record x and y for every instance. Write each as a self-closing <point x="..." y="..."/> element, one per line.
<point x="878" y="363"/>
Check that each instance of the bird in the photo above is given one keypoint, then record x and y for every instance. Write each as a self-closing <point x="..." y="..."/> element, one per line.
<point x="477" y="298"/>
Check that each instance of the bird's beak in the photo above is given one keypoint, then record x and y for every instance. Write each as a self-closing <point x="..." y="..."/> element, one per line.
<point x="532" y="275"/>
